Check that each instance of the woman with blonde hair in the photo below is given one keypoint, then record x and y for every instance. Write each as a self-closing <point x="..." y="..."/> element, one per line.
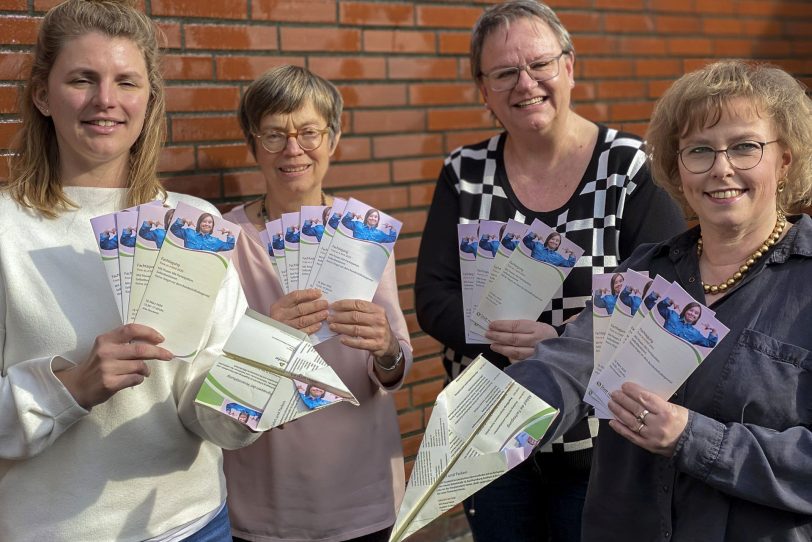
<point x="100" y="415"/>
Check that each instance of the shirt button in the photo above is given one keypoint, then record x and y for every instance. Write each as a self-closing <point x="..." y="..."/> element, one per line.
<point x="692" y="279"/>
<point x="667" y="534"/>
<point x="665" y="489"/>
<point x="676" y="251"/>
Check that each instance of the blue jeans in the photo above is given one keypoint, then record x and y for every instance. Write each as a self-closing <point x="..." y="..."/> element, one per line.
<point x="217" y="530"/>
<point x="538" y="501"/>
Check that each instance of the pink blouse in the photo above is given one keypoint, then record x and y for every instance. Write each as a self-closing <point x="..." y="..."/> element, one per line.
<point x="332" y="475"/>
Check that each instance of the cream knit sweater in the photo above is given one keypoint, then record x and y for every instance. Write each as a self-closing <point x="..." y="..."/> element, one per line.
<point x="134" y="467"/>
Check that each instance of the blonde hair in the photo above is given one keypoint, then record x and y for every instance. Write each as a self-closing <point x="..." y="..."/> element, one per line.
<point x="34" y="165"/>
<point x="285" y="90"/>
<point x="698" y="99"/>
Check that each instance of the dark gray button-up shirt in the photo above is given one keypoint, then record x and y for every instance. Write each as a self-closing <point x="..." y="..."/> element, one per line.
<point x="742" y="470"/>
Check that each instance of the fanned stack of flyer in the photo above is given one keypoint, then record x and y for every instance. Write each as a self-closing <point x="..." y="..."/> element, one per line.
<point x="482" y="425"/>
<point x="651" y="332"/>
<point x="165" y="268"/>
<point x="270" y="374"/>
<point x="341" y="250"/>
<point x="510" y="271"/>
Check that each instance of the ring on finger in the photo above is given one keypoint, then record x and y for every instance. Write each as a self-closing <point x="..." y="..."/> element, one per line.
<point x="639" y="428"/>
<point x="642" y="416"/>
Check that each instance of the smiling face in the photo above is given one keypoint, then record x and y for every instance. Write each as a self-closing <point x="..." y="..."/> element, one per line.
<point x="206" y="224"/>
<point x="617" y="283"/>
<point x="725" y="197"/>
<point x="553" y="241"/>
<point x="294" y="172"/>
<point x="97" y="95"/>
<point x="372" y="219"/>
<point x="530" y="106"/>
<point x="316" y="393"/>
<point x="692" y="314"/>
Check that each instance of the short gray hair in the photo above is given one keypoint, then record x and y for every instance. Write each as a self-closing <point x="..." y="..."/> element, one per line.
<point x="501" y="15"/>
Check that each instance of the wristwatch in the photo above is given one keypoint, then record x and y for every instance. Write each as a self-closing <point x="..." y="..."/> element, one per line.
<point x="395" y="363"/>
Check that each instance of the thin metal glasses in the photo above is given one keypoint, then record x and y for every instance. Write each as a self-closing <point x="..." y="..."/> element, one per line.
<point x="539" y="70"/>
<point x="742" y="155"/>
<point x="308" y="138"/>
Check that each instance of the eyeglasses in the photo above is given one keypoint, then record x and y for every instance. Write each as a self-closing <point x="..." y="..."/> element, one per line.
<point x="742" y="155"/>
<point x="309" y="139"/>
<point x="539" y="70"/>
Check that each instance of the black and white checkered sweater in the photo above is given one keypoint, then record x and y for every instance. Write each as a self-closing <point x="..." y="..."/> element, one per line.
<point x="615" y="208"/>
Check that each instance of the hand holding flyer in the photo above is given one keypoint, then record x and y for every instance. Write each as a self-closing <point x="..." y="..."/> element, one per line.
<point x="482" y="425"/>
<point x="270" y="374"/>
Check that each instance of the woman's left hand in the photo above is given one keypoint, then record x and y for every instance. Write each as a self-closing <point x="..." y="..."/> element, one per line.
<point x="646" y="419"/>
<point x="517" y="339"/>
<point x="363" y="325"/>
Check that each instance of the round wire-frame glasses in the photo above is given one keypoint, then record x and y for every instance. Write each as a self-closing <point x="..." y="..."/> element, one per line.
<point x="308" y="139"/>
<point x="541" y="69"/>
<point x="743" y="155"/>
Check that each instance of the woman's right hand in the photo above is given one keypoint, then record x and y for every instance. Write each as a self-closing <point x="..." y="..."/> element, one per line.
<point x="301" y="309"/>
<point x="517" y="339"/>
<point x="116" y="361"/>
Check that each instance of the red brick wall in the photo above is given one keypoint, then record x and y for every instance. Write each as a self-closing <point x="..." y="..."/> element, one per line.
<point x="403" y="70"/>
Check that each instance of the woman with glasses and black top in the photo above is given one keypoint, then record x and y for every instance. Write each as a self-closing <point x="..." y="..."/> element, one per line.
<point x="337" y="474"/>
<point x="585" y="180"/>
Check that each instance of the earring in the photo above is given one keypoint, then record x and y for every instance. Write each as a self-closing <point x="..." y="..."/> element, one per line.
<point x="782" y="184"/>
<point x="679" y="189"/>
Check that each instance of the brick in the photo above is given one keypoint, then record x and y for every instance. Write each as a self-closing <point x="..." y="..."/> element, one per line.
<point x="407" y="145"/>
<point x="202" y="98"/>
<point x="320" y="39"/>
<point x="583" y="91"/>
<point x="421" y="194"/>
<point x="373" y="95"/>
<point x="581" y="21"/>
<point x="421" y="68"/>
<point x="405" y="273"/>
<point x="762" y="27"/>
<point x="399" y="41"/>
<point x="689" y="46"/>
<point x="222" y="9"/>
<point x="634" y="45"/>
<point x="411" y="445"/>
<point x="170" y="35"/>
<point x="242" y="184"/>
<point x="4" y="168"/>
<point x="18" y="30"/>
<point x="742" y="48"/>
<point x="447" y="17"/>
<point x="673" y="24"/>
<point x="620" y="4"/>
<point x="621" y="89"/>
<point x="419" y="169"/>
<point x="427" y="369"/>
<point x="773" y="48"/>
<point x="202" y="186"/>
<point x="607" y="68"/>
<point x="224" y="156"/>
<point x="764" y="9"/>
<point x="410" y="422"/>
<point x="719" y="6"/>
<point x="318" y="11"/>
<point x="631" y="111"/>
<point x="783" y="9"/>
<point x="7" y="132"/>
<point x="8" y="99"/>
<point x="803" y="29"/>
<point x="413" y="222"/>
<point x="344" y="68"/>
<point x="392" y="120"/>
<point x="596" y="112"/>
<point x="595" y="45"/>
<point x="248" y="68"/>
<point x="407" y="246"/>
<point x="45" y="5"/>
<point x="230" y="37"/>
<point x="443" y="93"/>
<point x="628" y="23"/>
<point x="674" y="6"/>
<point x="376" y="13"/>
<point x="402" y="398"/>
<point x="386" y="199"/>
<point x="722" y="26"/>
<point x="658" y="68"/>
<point x="363" y="174"/>
<point x="353" y="149"/>
<point x="425" y="345"/>
<point x="425" y="394"/>
<point x="406" y="299"/>
<point x="176" y="159"/>
<point x="187" y="67"/>
<point x="457" y="119"/>
<point x="13" y="5"/>
<point x="215" y="128"/>
<point x="456" y="43"/>
<point x="637" y="128"/>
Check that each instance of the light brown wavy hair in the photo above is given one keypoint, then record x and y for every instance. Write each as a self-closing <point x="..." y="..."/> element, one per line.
<point x="34" y="165"/>
<point x="699" y="98"/>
